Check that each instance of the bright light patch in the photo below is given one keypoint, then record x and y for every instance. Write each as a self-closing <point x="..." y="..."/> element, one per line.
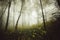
<point x="31" y="13"/>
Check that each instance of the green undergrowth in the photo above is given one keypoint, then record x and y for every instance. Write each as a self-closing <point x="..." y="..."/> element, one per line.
<point x="36" y="32"/>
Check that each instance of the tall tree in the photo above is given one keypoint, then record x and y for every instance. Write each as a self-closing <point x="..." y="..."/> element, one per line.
<point x="9" y="5"/>
<point x="19" y="15"/>
<point x="46" y="37"/>
<point x="43" y="14"/>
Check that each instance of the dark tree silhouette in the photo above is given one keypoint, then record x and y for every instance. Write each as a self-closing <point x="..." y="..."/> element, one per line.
<point x="46" y="37"/>
<point x="19" y="15"/>
<point x="58" y="1"/>
<point x="8" y="15"/>
<point x="1" y="19"/>
<point x="43" y="14"/>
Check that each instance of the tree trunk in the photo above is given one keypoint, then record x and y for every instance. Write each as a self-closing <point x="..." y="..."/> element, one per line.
<point x="8" y="15"/>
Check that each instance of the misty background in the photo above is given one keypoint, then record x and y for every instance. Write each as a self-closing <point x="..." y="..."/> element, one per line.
<point x="27" y="14"/>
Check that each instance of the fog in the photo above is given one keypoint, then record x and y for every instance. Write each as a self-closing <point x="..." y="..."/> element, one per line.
<point x="29" y="19"/>
<point x="31" y="13"/>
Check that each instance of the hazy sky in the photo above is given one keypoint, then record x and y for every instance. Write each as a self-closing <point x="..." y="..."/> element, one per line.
<point x="31" y="12"/>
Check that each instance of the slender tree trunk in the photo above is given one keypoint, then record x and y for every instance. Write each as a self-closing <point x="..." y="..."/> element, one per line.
<point x="8" y="15"/>
<point x="19" y="16"/>
<point x="1" y="19"/>
<point x="43" y="14"/>
<point x="46" y="37"/>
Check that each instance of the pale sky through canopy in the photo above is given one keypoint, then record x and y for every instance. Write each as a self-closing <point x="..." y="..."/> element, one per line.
<point x="31" y="12"/>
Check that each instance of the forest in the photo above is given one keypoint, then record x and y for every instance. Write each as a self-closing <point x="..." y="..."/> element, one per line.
<point x="29" y="19"/>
